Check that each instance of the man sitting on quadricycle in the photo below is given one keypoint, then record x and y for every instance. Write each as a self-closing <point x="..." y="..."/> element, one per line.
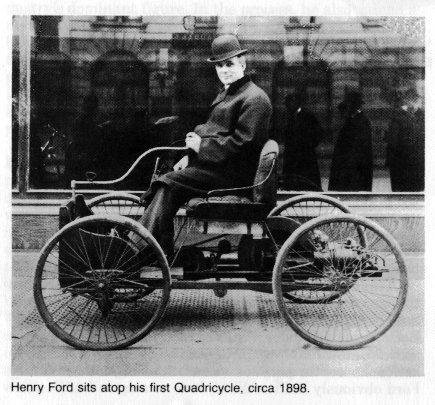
<point x="339" y="280"/>
<point x="223" y="152"/>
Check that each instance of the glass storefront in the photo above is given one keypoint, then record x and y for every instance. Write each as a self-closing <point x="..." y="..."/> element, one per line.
<point x="347" y="95"/>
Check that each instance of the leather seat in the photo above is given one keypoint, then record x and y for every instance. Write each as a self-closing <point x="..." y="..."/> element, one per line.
<point x="252" y="203"/>
<point x="227" y="208"/>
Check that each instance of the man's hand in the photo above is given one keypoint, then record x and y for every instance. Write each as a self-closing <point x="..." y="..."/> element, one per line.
<point x="193" y="141"/>
<point x="181" y="164"/>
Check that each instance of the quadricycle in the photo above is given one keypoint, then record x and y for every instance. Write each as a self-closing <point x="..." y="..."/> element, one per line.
<point x="339" y="279"/>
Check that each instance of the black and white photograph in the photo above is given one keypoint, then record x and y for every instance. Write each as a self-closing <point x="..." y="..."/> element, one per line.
<point x="199" y="197"/>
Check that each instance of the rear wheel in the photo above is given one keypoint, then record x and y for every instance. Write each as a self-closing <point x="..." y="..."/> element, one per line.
<point x="117" y="203"/>
<point x="301" y="209"/>
<point x="101" y="283"/>
<point x="326" y="255"/>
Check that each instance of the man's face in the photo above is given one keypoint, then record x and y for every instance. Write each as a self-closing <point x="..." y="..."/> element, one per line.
<point x="230" y="70"/>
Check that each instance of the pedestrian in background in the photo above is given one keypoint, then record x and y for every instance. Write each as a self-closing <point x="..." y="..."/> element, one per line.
<point x="303" y="134"/>
<point x="405" y="144"/>
<point x="352" y="163"/>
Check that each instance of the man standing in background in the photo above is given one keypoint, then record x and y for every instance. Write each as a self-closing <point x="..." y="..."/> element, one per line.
<point x="405" y="144"/>
<point x="303" y="134"/>
<point x="352" y="163"/>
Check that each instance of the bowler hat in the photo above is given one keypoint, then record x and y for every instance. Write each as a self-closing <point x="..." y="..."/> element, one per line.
<point x="225" y="47"/>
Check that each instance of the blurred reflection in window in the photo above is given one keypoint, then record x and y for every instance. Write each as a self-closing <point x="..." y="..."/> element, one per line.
<point x="142" y="69"/>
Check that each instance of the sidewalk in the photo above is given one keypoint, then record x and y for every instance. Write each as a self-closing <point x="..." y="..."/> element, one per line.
<point x="240" y="334"/>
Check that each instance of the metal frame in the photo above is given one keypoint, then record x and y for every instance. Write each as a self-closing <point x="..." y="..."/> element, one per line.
<point x="223" y="274"/>
<point x="90" y="181"/>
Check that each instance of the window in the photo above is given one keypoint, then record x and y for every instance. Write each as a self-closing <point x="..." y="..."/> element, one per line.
<point x="98" y="84"/>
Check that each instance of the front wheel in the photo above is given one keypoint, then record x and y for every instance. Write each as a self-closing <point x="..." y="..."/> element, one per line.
<point x="327" y="255"/>
<point x="117" y="203"/>
<point x="101" y="283"/>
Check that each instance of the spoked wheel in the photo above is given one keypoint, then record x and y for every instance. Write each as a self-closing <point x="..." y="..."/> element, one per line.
<point x="101" y="283"/>
<point x="117" y="204"/>
<point x="326" y="255"/>
<point x="301" y="209"/>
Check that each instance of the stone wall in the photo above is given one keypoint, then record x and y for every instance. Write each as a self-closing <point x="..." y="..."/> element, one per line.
<point x="404" y="220"/>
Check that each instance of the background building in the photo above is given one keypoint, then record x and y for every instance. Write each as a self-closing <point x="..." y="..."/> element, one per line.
<point x="88" y="90"/>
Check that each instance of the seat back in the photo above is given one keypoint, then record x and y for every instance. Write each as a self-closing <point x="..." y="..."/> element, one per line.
<point x="66" y="213"/>
<point x="266" y="176"/>
<point x="74" y="208"/>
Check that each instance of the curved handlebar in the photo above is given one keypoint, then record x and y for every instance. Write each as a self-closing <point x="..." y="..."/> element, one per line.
<point x="74" y="183"/>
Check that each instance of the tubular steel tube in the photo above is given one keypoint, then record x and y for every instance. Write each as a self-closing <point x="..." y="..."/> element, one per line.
<point x="119" y="179"/>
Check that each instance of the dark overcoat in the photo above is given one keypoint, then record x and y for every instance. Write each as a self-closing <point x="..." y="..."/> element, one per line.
<point x="405" y="150"/>
<point x="232" y="138"/>
<point x="352" y="163"/>
<point x="303" y="134"/>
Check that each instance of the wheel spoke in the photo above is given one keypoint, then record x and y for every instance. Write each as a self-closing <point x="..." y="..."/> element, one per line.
<point x="80" y="284"/>
<point x="367" y="282"/>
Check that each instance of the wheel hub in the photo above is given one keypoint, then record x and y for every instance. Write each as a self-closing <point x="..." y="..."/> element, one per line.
<point x="340" y="280"/>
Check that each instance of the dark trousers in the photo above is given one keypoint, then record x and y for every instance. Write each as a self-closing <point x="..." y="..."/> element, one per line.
<point x="158" y="217"/>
